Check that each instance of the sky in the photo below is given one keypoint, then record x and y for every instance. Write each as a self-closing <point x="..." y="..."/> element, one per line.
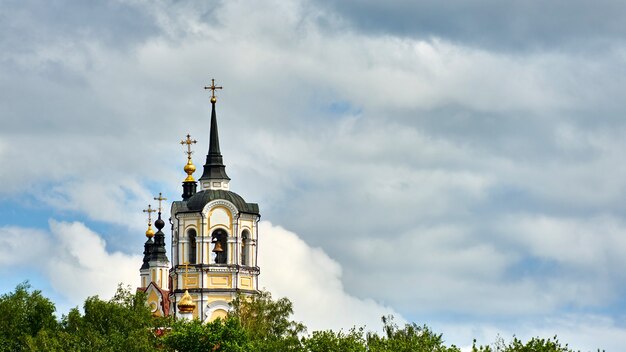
<point x="457" y="164"/>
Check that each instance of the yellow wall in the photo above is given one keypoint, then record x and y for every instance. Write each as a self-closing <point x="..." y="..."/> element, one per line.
<point x="153" y="301"/>
<point x="245" y="282"/>
<point x="219" y="281"/>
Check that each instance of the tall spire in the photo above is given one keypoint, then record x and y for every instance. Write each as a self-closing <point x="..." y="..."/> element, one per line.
<point x="214" y="168"/>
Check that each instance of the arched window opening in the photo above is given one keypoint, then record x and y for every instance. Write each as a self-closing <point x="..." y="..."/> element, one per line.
<point x="191" y="235"/>
<point x="220" y="248"/>
<point x="244" y="247"/>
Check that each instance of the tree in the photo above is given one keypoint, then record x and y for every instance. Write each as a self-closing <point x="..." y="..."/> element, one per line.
<point x="330" y="341"/>
<point x="411" y="338"/>
<point x="216" y="336"/>
<point x="124" y="323"/>
<point x="268" y="323"/>
<point x="536" y="344"/>
<point x="23" y="315"/>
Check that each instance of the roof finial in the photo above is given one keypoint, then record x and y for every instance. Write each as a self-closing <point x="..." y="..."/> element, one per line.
<point x="159" y="223"/>
<point x="213" y="87"/>
<point x="149" y="231"/>
<point x="190" y="168"/>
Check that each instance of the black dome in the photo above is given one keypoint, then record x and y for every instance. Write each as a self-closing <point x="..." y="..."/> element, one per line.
<point x="202" y="198"/>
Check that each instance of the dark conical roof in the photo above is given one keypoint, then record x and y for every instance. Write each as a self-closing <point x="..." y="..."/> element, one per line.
<point x="147" y="253"/>
<point x="214" y="168"/>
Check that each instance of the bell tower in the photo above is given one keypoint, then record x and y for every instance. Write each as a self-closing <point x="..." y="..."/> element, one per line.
<point x="214" y="237"/>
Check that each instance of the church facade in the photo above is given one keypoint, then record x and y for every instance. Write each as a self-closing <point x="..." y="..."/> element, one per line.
<point x="214" y="236"/>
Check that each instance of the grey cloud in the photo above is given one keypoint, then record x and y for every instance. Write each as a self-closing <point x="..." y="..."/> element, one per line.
<point x="579" y="26"/>
<point x="28" y="25"/>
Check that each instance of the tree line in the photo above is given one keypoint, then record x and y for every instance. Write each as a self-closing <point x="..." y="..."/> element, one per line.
<point x="259" y="323"/>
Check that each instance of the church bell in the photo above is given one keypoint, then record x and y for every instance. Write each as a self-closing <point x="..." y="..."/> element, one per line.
<point x="218" y="247"/>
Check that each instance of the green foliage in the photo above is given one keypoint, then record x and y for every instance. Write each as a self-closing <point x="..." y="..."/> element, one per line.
<point x="330" y="341"/>
<point x="123" y="323"/>
<point x="268" y="323"/>
<point x="256" y="324"/>
<point x="411" y="338"/>
<point x="218" y="336"/>
<point x="536" y="344"/>
<point x="23" y="315"/>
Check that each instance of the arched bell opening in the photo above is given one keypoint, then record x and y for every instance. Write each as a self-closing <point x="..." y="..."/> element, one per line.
<point x="191" y="237"/>
<point x="245" y="248"/>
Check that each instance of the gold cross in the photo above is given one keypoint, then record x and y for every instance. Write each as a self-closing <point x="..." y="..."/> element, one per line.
<point x="186" y="265"/>
<point x="188" y="142"/>
<point x="160" y="198"/>
<point x="149" y="211"/>
<point x="213" y="87"/>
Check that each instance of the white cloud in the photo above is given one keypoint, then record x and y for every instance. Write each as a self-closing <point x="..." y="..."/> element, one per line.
<point x="80" y="265"/>
<point x="71" y="257"/>
<point x="582" y="332"/>
<point x="22" y="246"/>
<point x="312" y="281"/>
<point x="573" y="242"/>
<point x="117" y="201"/>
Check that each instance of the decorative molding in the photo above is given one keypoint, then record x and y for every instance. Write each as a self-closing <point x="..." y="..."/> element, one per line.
<point x="217" y="202"/>
<point x="213" y="306"/>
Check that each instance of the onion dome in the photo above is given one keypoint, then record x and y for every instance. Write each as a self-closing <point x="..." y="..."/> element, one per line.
<point x="190" y="168"/>
<point x="159" y="223"/>
<point x="186" y="305"/>
<point x="149" y="231"/>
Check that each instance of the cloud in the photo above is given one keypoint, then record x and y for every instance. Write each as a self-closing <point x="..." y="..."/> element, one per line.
<point x="469" y="173"/>
<point x="312" y="281"/>
<point x="82" y="266"/>
<point x="13" y="246"/>
<point x="584" y="332"/>
<point x="71" y="257"/>
<point x="529" y="26"/>
<point x="117" y="201"/>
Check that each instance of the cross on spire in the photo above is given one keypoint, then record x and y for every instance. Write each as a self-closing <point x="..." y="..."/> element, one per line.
<point x="188" y="142"/>
<point x="159" y="198"/>
<point x="149" y="211"/>
<point x="213" y="87"/>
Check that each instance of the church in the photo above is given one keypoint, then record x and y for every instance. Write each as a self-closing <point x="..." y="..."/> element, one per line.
<point x="214" y="234"/>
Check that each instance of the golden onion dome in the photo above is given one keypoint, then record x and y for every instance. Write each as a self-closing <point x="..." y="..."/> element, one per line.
<point x="190" y="168"/>
<point x="186" y="305"/>
<point x="149" y="231"/>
